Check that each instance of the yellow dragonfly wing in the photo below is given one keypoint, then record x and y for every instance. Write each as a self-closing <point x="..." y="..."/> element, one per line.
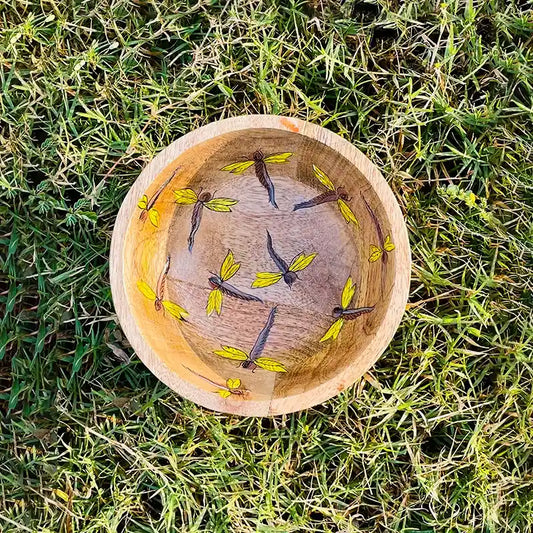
<point x="265" y="279"/>
<point x="269" y="364"/>
<point x="214" y="302"/>
<point x="322" y="177"/>
<point x="153" y="214"/>
<point x="185" y="196"/>
<point x="278" y="158"/>
<point x="388" y="245"/>
<point x="222" y="205"/>
<point x="334" y="330"/>
<point x="175" y="310"/>
<point x="301" y="261"/>
<point x="347" y="213"/>
<point x="232" y="353"/>
<point x="239" y="167"/>
<point x="347" y="293"/>
<point x="229" y="267"/>
<point x="224" y="393"/>
<point x="233" y="383"/>
<point x="375" y="253"/>
<point x="146" y="290"/>
<point x="143" y="202"/>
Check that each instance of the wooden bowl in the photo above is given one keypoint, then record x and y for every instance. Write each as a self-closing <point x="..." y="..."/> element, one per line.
<point x="324" y="265"/>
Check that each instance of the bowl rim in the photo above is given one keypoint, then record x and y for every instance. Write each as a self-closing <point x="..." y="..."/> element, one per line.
<point x="322" y="391"/>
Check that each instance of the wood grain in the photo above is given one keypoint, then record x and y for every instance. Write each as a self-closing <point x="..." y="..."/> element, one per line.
<point x="315" y="370"/>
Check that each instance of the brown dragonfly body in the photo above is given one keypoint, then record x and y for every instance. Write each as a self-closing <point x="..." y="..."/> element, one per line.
<point x="253" y="359"/>
<point x="384" y="247"/>
<point x="288" y="277"/>
<point x="285" y="272"/>
<point x="236" y="391"/>
<point x="201" y="200"/>
<point x="260" y="162"/>
<point x="216" y="282"/>
<point x="144" y="212"/>
<point x="157" y="296"/>
<point x="160" y="287"/>
<point x="332" y="194"/>
<point x="263" y="176"/>
<point x="147" y="205"/>
<point x="260" y="342"/>
<point x="197" y="216"/>
<point x="343" y="312"/>
<point x="328" y="196"/>
<point x="350" y="314"/>
<point x="377" y="225"/>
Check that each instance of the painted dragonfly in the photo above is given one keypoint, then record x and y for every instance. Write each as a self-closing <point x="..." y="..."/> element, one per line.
<point x="220" y="286"/>
<point x="204" y="199"/>
<point x="232" y="385"/>
<point x="157" y="296"/>
<point x="253" y="359"/>
<point x="385" y="243"/>
<point x="343" y="312"/>
<point x="260" y="166"/>
<point x="147" y="206"/>
<point x="287" y="272"/>
<point x="333" y="194"/>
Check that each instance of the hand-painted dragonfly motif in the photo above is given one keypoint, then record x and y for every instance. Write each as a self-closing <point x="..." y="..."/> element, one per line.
<point x="343" y="312"/>
<point x="204" y="199"/>
<point x="333" y="194"/>
<point x="220" y="286"/>
<point x="260" y="166"/>
<point x="232" y="385"/>
<point x="147" y="206"/>
<point x="385" y="243"/>
<point x="287" y="272"/>
<point x="157" y="297"/>
<point x="253" y="359"/>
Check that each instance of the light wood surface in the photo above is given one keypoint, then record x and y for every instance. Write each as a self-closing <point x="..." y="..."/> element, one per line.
<point x="181" y="353"/>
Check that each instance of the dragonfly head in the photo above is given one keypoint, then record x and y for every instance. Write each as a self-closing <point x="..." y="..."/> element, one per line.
<point x="250" y="365"/>
<point x="343" y="195"/>
<point x="143" y="215"/>
<point x="204" y="196"/>
<point x="337" y="311"/>
<point x="158" y="305"/>
<point x="214" y="281"/>
<point x="289" y="278"/>
<point x="258" y="155"/>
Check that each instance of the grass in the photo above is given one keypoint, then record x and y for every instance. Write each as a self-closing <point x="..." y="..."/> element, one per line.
<point x="437" y="438"/>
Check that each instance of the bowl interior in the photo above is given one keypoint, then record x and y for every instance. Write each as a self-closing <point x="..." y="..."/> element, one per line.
<point x="157" y="256"/>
